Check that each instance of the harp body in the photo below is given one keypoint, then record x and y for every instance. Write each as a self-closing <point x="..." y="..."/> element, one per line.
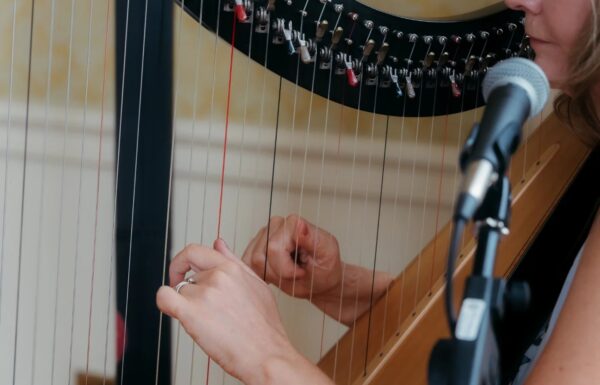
<point x="377" y="172"/>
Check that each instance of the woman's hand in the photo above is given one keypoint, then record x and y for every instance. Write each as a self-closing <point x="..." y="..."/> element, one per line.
<point x="231" y="314"/>
<point x="304" y="261"/>
<point x="295" y="255"/>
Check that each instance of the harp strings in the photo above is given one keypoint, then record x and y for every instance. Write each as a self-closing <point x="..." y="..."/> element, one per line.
<point x="137" y="143"/>
<point x="325" y="132"/>
<point x="7" y="141"/>
<point x="185" y="231"/>
<point x="23" y="184"/>
<point x="355" y="150"/>
<point x="79" y="194"/>
<point x="40" y="228"/>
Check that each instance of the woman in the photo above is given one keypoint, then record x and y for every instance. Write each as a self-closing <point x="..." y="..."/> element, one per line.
<point x="229" y="295"/>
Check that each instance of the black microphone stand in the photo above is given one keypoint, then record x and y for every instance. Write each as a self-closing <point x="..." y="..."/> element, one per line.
<point x="472" y="356"/>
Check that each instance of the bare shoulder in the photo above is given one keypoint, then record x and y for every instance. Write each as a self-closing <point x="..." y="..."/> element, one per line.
<point x="573" y="351"/>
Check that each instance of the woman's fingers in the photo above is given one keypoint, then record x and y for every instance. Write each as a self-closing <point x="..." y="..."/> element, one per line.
<point x="193" y="257"/>
<point x="172" y="303"/>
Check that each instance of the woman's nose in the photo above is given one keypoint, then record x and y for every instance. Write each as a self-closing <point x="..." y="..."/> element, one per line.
<point x="527" y="6"/>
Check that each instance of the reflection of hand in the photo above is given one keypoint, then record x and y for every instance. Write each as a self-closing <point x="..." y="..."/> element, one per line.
<point x="298" y="257"/>
<point x="231" y="314"/>
<point x="304" y="261"/>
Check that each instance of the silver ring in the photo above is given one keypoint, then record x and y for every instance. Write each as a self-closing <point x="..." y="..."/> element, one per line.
<point x="181" y="284"/>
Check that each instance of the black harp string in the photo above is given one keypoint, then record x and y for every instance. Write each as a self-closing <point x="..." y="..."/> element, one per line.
<point x="7" y="141"/>
<point x="394" y="218"/>
<point x="40" y="228"/>
<point x="367" y="191"/>
<point x="78" y="220"/>
<point x="303" y="13"/>
<point x="260" y="127"/>
<point x="137" y="142"/>
<point x="371" y="297"/>
<point x="23" y="184"/>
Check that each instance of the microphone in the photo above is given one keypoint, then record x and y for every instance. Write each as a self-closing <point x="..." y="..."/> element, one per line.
<point x="514" y="90"/>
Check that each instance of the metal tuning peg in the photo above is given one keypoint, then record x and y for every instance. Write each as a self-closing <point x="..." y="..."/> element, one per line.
<point x="322" y="28"/>
<point x="444" y="58"/>
<point x="410" y="89"/>
<point x="337" y="36"/>
<point x="287" y="33"/>
<point x="456" y="91"/>
<point x="304" y="51"/>
<point x="382" y="53"/>
<point x="368" y="48"/>
<point x="240" y="11"/>
<point x="428" y="61"/>
<point x="350" y="74"/>
<point x="394" y="78"/>
<point x="470" y="63"/>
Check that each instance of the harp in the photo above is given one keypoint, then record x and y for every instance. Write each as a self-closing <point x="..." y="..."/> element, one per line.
<point x="335" y="110"/>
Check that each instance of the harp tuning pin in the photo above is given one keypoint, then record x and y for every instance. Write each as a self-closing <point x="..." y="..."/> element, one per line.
<point x="413" y="38"/>
<point x="470" y="38"/>
<point x="428" y="62"/>
<point x="338" y="8"/>
<point x="443" y="59"/>
<point x="304" y="51"/>
<point x="353" y="16"/>
<point x="398" y="34"/>
<point x="456" y="91"/>
<point x="240" y="11"/>
<point x="368" y="24"/>
<point x="368" y="48"/>
<point x="428" y="39"/>
<point x="410" y="89"/>
<point x="382" y="53"/>
<point x="322" y="28"/>
<point x="456" y="39"/>
<point x="350" y="75"/>
<point x="512" y="27"/>
<point x="442" y="40"/>
<point x="483" y="35"/>
<point x="393" y="73"/>
<point x="337" y="36"/>
<point x="489" y="60"/>
<point x="470" y="64"/>
<point x="287" y="33"/>
<point x="383" y="30"/>
<point x="497" y="31"/>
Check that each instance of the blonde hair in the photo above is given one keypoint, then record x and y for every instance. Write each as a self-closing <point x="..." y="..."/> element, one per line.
<point x="577" y="107"/>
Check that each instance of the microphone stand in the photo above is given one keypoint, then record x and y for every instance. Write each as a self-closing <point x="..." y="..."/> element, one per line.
<point x="472" y="356"/>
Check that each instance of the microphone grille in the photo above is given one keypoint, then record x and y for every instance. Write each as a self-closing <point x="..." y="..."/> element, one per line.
<point x="523" y="73"/>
